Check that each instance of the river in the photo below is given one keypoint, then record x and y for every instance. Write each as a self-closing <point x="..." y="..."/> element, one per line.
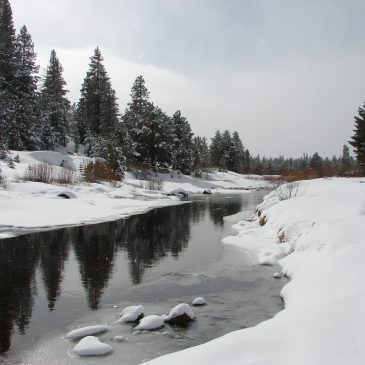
<point x="52" y="282"/>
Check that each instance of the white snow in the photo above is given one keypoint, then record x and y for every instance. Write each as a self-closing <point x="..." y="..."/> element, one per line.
<point x="199" y="301"/>
<point x="130" y="314"/>
<point x="180" y="310"/>
<point x="33" y="206"/>
<point x="86" y="331"/>
<point x="323" y="321"/>
<point x="150" y="323"/>
<point x="92" y="346"/>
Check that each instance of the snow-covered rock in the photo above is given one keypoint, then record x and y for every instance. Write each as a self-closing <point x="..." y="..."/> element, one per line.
<point x="181" y="314"/>
<point x="198" y="301"/>
<point x="92" y="346"/>
<point x="86" y="331"/>
<point x="119" y="338"/>
<point x="276" y="275"/>
<point x="179" y="192"/>
<point x="207" y="191"/>
<point x="132" y="313"/>
<point x="150" y="323"/>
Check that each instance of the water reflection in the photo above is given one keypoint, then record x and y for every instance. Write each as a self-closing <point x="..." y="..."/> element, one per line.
<point x="145" y="239"/>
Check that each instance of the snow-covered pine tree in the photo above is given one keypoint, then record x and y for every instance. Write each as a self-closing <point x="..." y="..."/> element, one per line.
<point x="215" y="149"/>
<point x="27" y="101"/>
<point x="54" y="105"/>
<point x="358" y="139"/>
<point x="3" y="151"/>
<point x="236" y="154"/>
<point x="226" y="161"/>
<point x="9" y="69"/>
<point x="97" y="109"/>
<point x="200" y="153"/>
<point x="136" y="119"/>
<point x="182" y="154"/>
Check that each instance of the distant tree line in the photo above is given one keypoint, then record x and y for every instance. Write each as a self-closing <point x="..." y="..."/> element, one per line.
<point x="35" y="114"/>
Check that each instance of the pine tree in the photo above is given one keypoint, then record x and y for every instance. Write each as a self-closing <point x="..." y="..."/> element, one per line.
<point x="316" y="164"/>
<point x="346" y="159"/>
<point x="97" y="110"/>
<point x="237" y="153"/>
<point x="200" y="153"/>
<point x="136" y="119"/>
<point x="54" y="105"/>
<point x="358" y="139"/>
<point x="9" y="68"/>
<point x="27" y="113"/>
<point x="182" y="154"/>
<point x="216" y="148"/>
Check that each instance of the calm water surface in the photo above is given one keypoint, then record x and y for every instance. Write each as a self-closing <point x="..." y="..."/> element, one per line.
<point x="52" y="282"/>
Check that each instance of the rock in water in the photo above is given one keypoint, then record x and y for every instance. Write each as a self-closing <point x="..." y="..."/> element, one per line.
<point x="132" y="313"/>
<point x="150" y="323"/>
<point x="276" y="275"/>
<point x="207" y="191"/>
<point x="92" y="346"/>
<point x="198" y="301"/>
<point x="86" y="331"/>
<point x="180" y="315"/>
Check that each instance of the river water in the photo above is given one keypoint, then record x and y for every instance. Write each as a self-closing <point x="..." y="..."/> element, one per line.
<point x="53" y="282"/>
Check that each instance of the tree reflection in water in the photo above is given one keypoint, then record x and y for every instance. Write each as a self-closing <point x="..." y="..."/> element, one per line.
<point x="146" y="239"/>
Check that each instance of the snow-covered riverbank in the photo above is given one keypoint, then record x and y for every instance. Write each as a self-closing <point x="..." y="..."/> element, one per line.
<point x="323" y="250"/>
<point x="30" y="206"/>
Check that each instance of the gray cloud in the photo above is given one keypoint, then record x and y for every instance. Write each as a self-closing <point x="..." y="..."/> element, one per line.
<point x="287" y="75"/>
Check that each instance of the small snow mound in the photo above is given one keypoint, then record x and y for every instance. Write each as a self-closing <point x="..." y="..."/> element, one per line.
<point x="132" y="313"/>
<point x="67" y="195"/>
<point x="149" y="323"/>
<point x="92" y="346"/>
<point x="86" y="331"/>
<point x="120" y="338"/>
<point x="181" y="314"/>
<point x="199" y="301"/>
<point x="276" y="275"/>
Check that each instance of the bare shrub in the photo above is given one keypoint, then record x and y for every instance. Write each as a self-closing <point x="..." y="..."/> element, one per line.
<point x="287" y="191"/>
<point x="98" y="171"/>
<point x="40" y="172"/>
<point x="281" y="237"/>
<point x="154" y="184"/>
<point x="263" y="220"/>
<point x="66" y="177"/>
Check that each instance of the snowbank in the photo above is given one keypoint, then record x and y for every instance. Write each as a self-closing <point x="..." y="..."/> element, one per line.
<point x="321" y="232"/>
<point x="33" y="206"/>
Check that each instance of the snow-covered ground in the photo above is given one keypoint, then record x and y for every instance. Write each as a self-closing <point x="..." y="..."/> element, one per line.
<point x="323" y="251"/>
<point x="27" y="206"/>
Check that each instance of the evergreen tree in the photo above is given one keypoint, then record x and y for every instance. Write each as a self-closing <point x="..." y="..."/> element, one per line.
<point x="346" y="159"/>
<point x="27" y="113"/>
<point x="97" y="113"/>
<point x="316" y="164"/>
<point x="216" y="148"/>
<point x="54" y="105"/>
<point x="358" y="139"/>
<point x="236" y="153"/>
<point x="200" y="153"/>
<point x="136" y="120"/>
<point x="182" y="154"/>
<point x="9" y="69"/>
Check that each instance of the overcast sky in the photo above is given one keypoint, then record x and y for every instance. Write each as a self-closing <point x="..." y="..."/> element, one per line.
<point x="288" y="75"/>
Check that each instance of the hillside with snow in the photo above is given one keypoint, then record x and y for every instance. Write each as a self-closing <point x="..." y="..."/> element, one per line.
<point x="32" y="206"/>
